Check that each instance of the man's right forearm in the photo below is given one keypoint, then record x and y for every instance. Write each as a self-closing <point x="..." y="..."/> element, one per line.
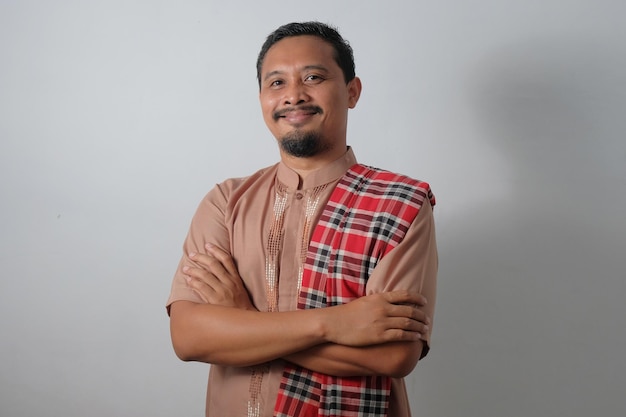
<point x="236" y="337"/>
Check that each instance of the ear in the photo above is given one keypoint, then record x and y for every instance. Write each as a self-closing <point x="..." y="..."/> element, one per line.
<point x="354" y="92"/>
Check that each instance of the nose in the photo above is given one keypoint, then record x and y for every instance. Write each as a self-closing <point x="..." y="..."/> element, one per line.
<point x="295" y="93"/>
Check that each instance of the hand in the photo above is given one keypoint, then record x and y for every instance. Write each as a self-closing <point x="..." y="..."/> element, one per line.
<point x="216" y="279"/>
<point x="378" y="318"/>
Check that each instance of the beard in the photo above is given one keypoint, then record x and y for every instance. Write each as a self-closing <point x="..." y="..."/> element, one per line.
<point x="303" y="144"/>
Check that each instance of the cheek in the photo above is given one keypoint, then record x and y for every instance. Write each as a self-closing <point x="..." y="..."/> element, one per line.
<point x="268" y="106"/>
<point x="268" y="109"/>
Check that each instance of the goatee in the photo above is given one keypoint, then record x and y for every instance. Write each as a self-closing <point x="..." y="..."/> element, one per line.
<point x="302" y="144"/>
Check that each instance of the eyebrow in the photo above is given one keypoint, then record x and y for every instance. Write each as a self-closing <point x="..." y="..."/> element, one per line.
<point x="306" y="68"/>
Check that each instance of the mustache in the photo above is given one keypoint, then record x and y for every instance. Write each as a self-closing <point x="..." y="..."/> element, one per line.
<point x="309" y="108"/>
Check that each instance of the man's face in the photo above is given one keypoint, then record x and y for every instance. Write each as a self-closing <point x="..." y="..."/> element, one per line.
<point x="304" y="97"/>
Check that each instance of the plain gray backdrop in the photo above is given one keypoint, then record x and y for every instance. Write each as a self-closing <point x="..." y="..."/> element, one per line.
<point x="116" y="117"/>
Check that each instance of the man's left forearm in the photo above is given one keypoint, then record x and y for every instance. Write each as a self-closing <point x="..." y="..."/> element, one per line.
<point x="395" y="359"/>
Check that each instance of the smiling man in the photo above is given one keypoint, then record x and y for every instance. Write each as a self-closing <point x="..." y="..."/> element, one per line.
<point x="309" y="286"/>
<point x="305" y="99"/>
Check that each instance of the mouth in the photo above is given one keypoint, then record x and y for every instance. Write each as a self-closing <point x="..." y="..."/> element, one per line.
<point x="297" y="115"/>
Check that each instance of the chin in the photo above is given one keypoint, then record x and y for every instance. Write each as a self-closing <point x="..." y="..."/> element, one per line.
<point x="303" y="144"/>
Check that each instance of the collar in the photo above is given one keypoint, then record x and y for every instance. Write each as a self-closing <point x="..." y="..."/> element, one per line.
<point x="321" y="176"/>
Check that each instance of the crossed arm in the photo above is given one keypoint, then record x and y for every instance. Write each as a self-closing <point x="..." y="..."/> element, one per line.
<point x="377" y="334"/>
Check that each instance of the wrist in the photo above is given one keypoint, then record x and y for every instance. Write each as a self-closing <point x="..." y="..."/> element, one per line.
<point x="323" y="324"/>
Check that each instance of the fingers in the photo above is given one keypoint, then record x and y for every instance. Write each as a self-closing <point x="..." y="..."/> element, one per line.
<point x="399" y="335"/>
<point x="204" y="274"/>
<point x="217" y="261"/>
<point x="211" y="264"/>
<point x="224" y="258"/>
<point x="199" y="281"/>
<point x="379" y="318"/>
<point x="413" y="322"/>
<point x="405" y="318"/>
<point x="405" y="297"/>
<point x="410" y="312"/>
<point x="403" y="303"/>
<point x="199" y="275"/>
<point x="205" y="261"/>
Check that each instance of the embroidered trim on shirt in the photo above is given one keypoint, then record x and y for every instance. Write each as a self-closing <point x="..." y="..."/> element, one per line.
<point x="274" y="245"/>
<point x="311" y="207"/>
<point x="256" y="379"/>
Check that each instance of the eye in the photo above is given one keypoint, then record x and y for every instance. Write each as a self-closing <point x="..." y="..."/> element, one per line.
<point x="276" y="83"/>
<point x="313" y="78"/>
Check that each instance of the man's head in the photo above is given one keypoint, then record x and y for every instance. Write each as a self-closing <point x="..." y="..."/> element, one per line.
<point x="343" y="51"/>
<point x="306" y="88"/>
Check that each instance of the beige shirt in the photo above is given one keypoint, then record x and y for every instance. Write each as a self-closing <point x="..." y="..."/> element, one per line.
<point x="265" y="221"/>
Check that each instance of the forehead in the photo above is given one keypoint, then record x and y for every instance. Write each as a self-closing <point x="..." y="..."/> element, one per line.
<point x="299" y="51"/>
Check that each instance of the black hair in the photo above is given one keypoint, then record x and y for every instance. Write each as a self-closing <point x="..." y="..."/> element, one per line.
<point x="343" y="51"/>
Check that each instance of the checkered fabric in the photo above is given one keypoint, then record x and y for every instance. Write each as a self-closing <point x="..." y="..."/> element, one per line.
<point x="366" y="216"/>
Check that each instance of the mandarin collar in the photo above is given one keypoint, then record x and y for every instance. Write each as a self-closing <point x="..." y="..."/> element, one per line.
<point x="321" y="176"/>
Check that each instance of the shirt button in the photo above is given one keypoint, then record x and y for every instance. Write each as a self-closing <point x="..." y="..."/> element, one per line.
<point x="299" y="196"/>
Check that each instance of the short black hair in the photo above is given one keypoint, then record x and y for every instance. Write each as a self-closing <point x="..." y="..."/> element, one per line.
<point x="343" y="51"/>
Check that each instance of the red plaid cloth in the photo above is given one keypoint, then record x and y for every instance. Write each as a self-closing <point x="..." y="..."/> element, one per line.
<point x="367" y="215"/>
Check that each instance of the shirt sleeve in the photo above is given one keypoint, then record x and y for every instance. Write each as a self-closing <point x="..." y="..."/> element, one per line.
<point x="207" y="225"/>
<point x="412" y="265"/>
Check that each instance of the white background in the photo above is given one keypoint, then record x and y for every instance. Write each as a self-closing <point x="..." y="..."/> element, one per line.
<point x="116" y="117"/>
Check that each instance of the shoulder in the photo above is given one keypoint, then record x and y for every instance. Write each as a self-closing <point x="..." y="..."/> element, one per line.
<point x="387" y="184"/>
<point x="232" y="187"/>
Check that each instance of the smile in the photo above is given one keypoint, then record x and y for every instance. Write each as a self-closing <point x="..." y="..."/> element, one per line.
<point x="297" y="114"/>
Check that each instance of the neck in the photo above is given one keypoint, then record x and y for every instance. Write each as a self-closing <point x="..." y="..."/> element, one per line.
<point x="304" y="166"/>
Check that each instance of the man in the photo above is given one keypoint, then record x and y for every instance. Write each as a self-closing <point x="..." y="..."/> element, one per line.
<point x="309" y="285"/>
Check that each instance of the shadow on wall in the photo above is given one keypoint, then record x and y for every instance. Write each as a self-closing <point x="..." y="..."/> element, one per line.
<point x="530" y="310"/>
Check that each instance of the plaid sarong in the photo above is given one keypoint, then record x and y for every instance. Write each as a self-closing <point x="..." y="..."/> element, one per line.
<point x="366" y="216"/>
